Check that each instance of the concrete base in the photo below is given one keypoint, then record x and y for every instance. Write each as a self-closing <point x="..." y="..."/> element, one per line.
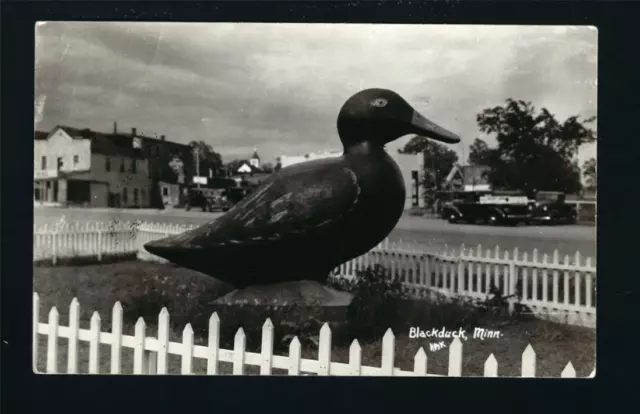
<point x="295" y="309"/>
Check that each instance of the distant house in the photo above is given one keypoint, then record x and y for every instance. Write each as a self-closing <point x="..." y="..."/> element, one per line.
<point x="467" y="178"/>
<point x="249" y="171"/>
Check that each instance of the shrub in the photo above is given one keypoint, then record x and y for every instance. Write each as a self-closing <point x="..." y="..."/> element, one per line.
<point x="375" y="303"/>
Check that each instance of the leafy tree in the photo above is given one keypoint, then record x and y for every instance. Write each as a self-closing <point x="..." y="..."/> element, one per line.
<point x="438" y="161"/>
<point x="535" y="150"/>
<point x="480" y="153"/>
<point x="267" y="167"/>
<point x="590" y="173"/>
<point x="209" y="159"/>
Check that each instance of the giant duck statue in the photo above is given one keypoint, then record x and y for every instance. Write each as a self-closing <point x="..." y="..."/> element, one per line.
<point x="307" y="219"/>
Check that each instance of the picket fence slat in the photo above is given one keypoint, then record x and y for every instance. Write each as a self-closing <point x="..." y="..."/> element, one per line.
<point x="94" y="344"/>
<point x="74" y="332"/>
<point x="116" y="345"/>
<point x="34" y="339"/>
<point x="52" y="341"/>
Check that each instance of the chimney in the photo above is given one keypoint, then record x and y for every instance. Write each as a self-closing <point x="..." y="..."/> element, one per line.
<point x="162" y="137"/>
<point x="115" y="128"/>
<point x="133" y="132"/>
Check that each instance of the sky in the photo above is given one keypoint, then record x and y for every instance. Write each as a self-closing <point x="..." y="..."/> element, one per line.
<point x="279" y="87"/>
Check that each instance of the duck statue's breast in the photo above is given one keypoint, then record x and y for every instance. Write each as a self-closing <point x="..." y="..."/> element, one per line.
<point x="381" y="199"/>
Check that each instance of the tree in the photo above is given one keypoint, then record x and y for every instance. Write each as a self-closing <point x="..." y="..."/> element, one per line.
<point x="479" y="153"/>
<point x="590" y="173"/>
<point x="267" y="167"/>
<point x="438" y="161"/>
<point x="535" y="151"/>
<point x="208" y="158"/>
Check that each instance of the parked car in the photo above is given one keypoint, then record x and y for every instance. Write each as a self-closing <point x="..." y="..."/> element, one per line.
<point x="208" y="199"/>
<point x="550" y="207"/>
<point x="492" y="209"/>
<point x="235" y="194"/>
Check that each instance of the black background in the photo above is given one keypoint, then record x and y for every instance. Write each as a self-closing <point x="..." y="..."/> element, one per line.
<point x="617" y="235"/>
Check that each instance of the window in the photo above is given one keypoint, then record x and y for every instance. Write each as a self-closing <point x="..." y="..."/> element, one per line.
<point x="122" y="166"/>
<point x="134" y="166"/>
<point x="142" y="196"/>
<point x="76" y="159"/>
<point x="107" y="164"/>
<point x="60" y="163"/>
<point x="165" y="191"/>
<point x="125" y="195"/>
<point x="43" y="163"/>
<point x="135" y="196"/>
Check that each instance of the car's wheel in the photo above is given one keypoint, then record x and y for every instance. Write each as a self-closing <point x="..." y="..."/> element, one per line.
<point x="492" y="220"/>
<point x="187" y="207"/>
<point x="452" y="219"/>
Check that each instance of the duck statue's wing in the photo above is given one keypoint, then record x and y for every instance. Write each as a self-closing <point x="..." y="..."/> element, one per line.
<point x="294" y="202"/>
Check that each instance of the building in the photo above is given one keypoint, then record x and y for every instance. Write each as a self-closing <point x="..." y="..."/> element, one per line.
<point x="468" y="178"/>
<point x="169" y="162"/>
<point x="411" y="166"/>
<point x="83" y="167"/>
<point x="254" y="161"/>
<point x="249" y="171"/>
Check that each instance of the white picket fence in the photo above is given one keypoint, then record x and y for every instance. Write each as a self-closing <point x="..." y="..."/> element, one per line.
<point x="150" y="354"/>
<point x="558" y="290"/>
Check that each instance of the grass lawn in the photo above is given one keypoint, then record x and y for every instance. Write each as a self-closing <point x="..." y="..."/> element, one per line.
<point x="186" y="294"/>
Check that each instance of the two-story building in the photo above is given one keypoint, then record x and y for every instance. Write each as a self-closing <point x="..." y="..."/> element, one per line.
<point x="171" y="165"/>
<point x="84" y="167"/>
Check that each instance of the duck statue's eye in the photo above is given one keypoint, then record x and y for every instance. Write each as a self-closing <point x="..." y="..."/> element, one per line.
<point x="380" y="102"/>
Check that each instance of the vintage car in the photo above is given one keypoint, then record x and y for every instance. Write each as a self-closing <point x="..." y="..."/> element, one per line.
<point x="506" y="208"/>
<point x="550" y="207"/>
<point x="208" y="199"/>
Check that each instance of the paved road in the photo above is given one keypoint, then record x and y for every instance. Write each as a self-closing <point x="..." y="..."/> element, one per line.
<point x="431" y="233"/>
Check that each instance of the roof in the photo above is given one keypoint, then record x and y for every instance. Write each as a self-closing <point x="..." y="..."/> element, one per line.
<point x="38" y="135"/>
<point x="105" y="144"/>
<point x="254" y="169"/>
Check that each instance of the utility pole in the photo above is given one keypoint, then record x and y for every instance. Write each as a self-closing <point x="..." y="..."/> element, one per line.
<point x="196" y="151"/>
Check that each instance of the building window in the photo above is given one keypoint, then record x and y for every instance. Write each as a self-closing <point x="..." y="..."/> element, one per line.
<point x="165" y="191"/>
<point x="125" y="195"/>
<point x="76" y="159"/>
<point x="107" y="164"/>
<point x="60" y="163"/>
<point x="135" y="196"/>
<point x="43" y="163"/>
<point x="36" y="194"/>
<point x="142" y="195"/>
<point x="122" y="168"/>
<point x="134" y="166"/>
